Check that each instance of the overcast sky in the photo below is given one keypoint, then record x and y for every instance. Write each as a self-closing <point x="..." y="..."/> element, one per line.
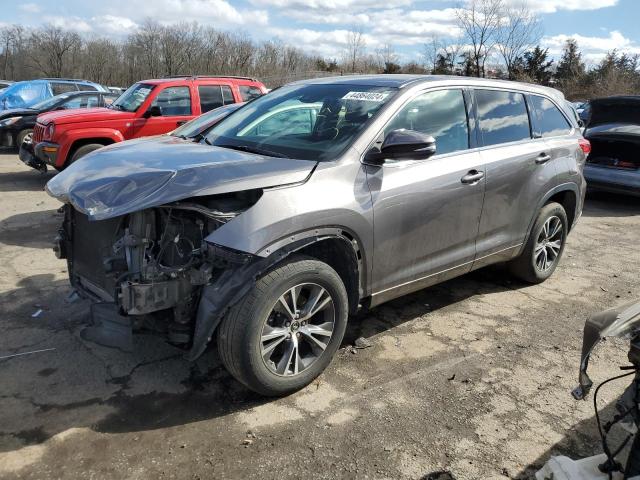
<point x="321" y="26"/>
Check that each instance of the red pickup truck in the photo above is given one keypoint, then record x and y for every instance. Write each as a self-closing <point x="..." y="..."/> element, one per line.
<point x="149" y="107"/>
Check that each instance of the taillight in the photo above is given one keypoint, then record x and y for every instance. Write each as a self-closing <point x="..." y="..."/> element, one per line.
<point x="48" y="133"/>
<point x="585" y="145"/>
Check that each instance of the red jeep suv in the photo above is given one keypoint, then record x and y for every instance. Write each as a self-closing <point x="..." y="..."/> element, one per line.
<point x="149" y="107"/>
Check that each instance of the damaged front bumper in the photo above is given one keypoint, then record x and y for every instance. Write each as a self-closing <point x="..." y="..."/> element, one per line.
<point x="153" y="270"/>
<point x="28" y="157"/>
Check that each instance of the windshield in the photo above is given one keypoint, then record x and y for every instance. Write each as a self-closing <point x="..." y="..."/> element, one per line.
<point x="309" y="122"/>
<point x="133" y="97"/>
<point x="50" y="102"/>
<point x="23" y="94"/>
<point x="199" y="124"/>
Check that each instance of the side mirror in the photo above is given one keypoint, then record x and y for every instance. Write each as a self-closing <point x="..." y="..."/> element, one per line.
<point x="153" y="111"/>
<point x="403" y="145"/>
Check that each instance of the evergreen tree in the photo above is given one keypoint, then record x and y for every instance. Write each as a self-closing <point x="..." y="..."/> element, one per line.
<point x="536" y="65"/>
<point x="571" y="68"/>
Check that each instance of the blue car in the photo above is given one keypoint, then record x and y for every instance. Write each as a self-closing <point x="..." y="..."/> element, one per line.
<point x="29" y="92"/>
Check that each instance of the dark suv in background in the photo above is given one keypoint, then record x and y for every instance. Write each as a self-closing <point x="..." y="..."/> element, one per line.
<point x="320" y="198"/>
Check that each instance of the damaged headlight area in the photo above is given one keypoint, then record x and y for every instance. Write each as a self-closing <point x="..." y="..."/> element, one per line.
<point x="151" y="265"/>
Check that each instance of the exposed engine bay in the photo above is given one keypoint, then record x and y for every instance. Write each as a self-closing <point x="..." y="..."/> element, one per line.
<point x="151" y="265"/>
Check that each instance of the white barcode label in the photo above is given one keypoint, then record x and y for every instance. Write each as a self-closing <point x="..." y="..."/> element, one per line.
<point x="366" y="96"/>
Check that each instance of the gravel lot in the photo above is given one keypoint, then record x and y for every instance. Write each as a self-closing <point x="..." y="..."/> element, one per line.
<point x="472" y="376"/>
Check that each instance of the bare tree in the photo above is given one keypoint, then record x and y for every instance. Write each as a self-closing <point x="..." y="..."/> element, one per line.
<point x="442" y="53"/>
<point x="52" y="46"/>
<point x="480" y="22"/>
<point x="355" y="48"/>
<point x="520" y="30"/>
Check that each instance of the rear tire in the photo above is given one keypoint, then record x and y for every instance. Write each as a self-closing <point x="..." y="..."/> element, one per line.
<point x="275" y="349"/>
<point x="544" y="247"/>
<point x="84" y="150"/>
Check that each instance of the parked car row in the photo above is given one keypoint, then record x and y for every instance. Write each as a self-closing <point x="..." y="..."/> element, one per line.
<point x="147" y="108"/>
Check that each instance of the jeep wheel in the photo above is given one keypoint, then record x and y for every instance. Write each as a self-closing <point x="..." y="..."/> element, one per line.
<point x="84" y="150"/>
<point x="544" y="247"/>
<point x="285" y="331"/>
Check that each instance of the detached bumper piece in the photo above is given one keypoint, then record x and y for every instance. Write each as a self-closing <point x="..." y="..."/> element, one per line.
<point x="108" y="328"/>
<point x="27" y="157"/>
<point x="47" y="152"/>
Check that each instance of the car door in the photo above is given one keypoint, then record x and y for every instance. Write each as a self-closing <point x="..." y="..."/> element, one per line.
<point x="518" y="168"/>
<point x="214" y="96"/>
<point x="175" y="108"/>
<point x="426" y="212"/>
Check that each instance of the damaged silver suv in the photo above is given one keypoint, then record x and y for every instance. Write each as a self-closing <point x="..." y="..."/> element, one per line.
<point x="320" y="198"/>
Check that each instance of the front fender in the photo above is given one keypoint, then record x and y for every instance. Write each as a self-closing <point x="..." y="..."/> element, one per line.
<point x="336" y="198"/>
<point x="68" y="138"/>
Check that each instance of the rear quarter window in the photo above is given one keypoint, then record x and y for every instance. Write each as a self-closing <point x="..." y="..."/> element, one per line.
<point x="248" y="92"/>
<point x="548" y="120"/>
<point x="58" y="88"/>
<point x="502" y="116"/>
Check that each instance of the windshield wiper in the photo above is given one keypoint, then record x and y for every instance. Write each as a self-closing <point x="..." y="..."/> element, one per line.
<point x="257" y="151"/>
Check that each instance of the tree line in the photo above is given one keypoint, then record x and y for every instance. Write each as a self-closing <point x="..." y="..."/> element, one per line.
<point x="497" y="38"/>
<point x="152" y="51"/>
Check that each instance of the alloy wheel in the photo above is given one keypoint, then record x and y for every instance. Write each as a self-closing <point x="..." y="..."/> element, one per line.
<point x="298" y="329"/>
<point x="548" y="244"/>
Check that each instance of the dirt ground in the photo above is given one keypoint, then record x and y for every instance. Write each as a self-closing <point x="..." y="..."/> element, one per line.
<point x="472" y="376"/>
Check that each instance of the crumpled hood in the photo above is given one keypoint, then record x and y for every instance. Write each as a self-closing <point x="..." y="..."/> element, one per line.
<point x="83" y="115"/>
<point x="132" y="176"/>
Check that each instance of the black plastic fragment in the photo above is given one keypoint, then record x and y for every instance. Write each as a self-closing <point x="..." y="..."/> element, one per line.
<point x="109" y="328"/>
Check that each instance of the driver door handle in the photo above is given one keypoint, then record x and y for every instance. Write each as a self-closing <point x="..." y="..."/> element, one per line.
<point x="181" y="122"/>
<point x="472" y="177"/>
<point x="542" y="158"/>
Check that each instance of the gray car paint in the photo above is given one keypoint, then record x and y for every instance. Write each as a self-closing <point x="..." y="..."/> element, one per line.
<point x="109" y="183"/>
<point x="413" y="222"/>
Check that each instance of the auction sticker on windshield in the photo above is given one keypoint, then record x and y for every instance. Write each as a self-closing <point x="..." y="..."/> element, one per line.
<point x="366" y="96"/>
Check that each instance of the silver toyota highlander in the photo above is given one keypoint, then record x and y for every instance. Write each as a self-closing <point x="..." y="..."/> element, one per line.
<point x="318" y="199"/>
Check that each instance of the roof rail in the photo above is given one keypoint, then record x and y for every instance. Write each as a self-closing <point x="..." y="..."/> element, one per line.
<point x="67" y="79"/>
<point x="238" y="77"/>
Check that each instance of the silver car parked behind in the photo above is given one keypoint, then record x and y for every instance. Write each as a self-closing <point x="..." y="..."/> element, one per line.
<point x="320" y="198"/>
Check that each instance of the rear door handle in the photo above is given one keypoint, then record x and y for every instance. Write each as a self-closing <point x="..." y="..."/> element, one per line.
<point x="472" y="177"/>
<point x="542" y="158"/>
<point x="181" y="122"/>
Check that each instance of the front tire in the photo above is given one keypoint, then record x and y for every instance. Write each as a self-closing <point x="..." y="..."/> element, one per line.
<point x="84" y="150"/>
<point x="23" y="135"/>
<point x="544" y="247"/>
<point x="286" y="330"/>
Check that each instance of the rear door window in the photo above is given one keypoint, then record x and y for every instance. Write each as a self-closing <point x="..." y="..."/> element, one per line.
<point x="91" y="101"/>
<point x="174" y="101"/>
<point x="227" y="95"/>
<point x="502" y="116"/>
<point x="75" y="102"/>
<point x="441" y="114"/>
<point x="248" y="92"/>
<point x="210" y="97"/>
<point x="548" y="119"/>
<point x="58" y="88"/>
<point x="86" y="88"/>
